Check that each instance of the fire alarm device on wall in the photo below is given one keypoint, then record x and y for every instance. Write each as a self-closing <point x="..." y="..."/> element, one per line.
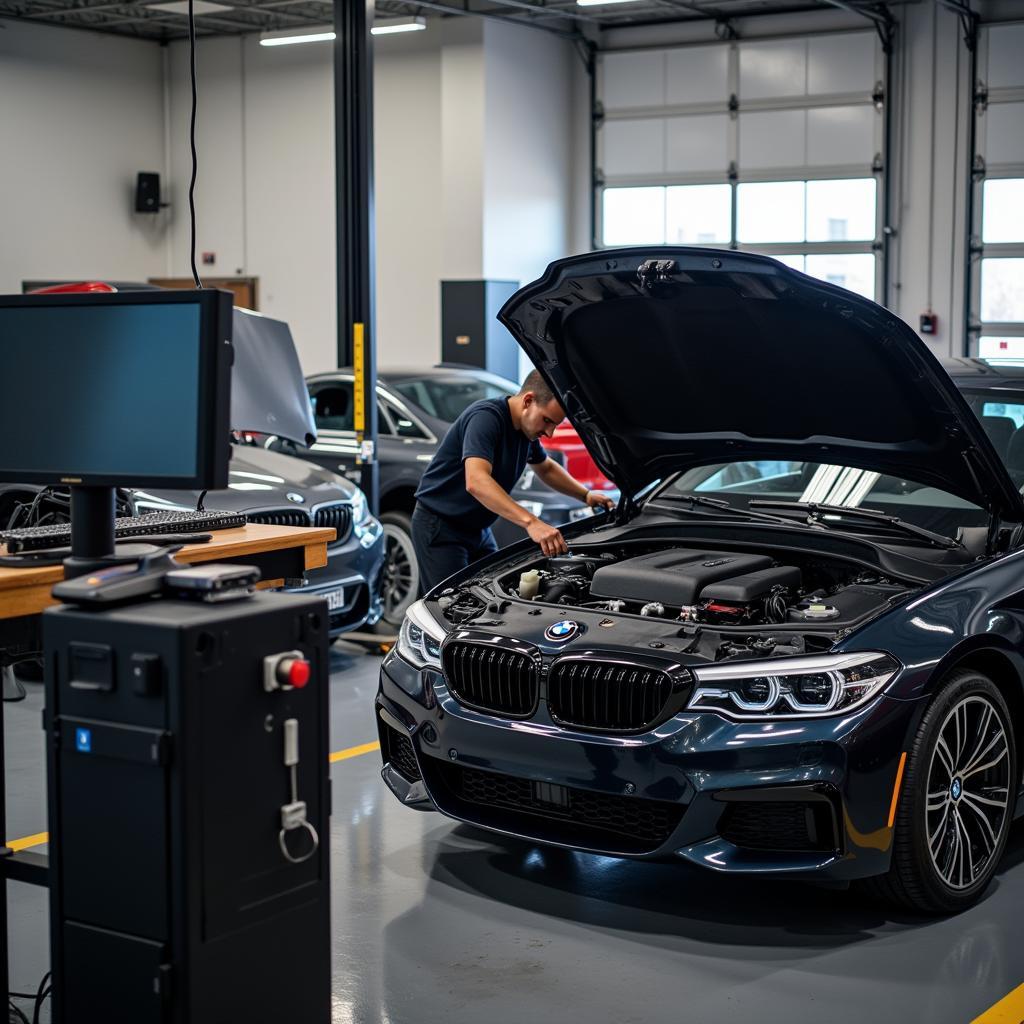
<point x="929" y="323"/>
<point x="209" y="258"/>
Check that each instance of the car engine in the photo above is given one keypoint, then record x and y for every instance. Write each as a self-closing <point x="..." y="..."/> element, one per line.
<point x="720" y="588"/>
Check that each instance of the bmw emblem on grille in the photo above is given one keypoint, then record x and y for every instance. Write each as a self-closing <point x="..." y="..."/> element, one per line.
<point x="562" y="631"/>
<point x="292" y="496"/>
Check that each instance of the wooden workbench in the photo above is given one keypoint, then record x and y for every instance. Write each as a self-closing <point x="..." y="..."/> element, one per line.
<point x="280" y="552"/>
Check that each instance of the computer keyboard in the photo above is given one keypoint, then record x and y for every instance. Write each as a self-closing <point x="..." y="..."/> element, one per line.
<point x="37" y="538"/>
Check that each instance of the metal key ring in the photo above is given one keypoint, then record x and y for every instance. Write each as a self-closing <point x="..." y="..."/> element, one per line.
<point x="284" y="845"/>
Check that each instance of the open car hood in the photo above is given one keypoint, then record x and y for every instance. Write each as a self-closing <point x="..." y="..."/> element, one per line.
<point x="268" y="391"/>
<point x="666" y="358"/>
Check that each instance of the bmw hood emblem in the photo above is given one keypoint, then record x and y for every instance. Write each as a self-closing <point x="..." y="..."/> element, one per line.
<point x="562" y="631"/>
<point x="298" y="498"/>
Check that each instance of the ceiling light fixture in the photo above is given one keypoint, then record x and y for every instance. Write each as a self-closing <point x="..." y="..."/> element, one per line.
<point x="393" y="25"/>
<point x="602" y="3"/>
<point x="325" y="33"/>
<point x="318" y="34"/>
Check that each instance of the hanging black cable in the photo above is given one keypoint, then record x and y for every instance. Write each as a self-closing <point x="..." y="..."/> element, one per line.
<point x="192" y="140"/>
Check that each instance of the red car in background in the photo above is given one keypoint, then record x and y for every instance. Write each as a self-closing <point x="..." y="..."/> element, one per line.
<point x="577" y="461"/>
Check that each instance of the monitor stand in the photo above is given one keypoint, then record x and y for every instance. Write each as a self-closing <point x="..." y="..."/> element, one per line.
<point x="92" y="534"/>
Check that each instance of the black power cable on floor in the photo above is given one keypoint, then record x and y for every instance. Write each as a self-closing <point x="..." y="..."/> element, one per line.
<point x="192" y="141"/>
<point x="41" y="994"/>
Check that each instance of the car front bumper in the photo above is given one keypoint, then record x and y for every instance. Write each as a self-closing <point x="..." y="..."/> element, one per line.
<point x="787" y="798"/>
<point x="350" y="581"/>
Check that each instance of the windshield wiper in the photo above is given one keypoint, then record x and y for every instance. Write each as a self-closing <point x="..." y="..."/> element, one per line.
<point x="818" y="514"/>
<point x="724" y="506"/>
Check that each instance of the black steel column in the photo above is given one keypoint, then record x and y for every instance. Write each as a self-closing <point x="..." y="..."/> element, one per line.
<point x="353" y="154"/>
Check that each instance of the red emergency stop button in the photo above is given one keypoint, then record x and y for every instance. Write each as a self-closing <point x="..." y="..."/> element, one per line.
<point x="294" y="672"/>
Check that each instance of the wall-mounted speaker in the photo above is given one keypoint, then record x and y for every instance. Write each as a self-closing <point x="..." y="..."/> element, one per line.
<point x="147" y="192"/>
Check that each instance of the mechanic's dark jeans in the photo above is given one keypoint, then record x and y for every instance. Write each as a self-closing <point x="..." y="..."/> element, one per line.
<point x="442" y="548"/>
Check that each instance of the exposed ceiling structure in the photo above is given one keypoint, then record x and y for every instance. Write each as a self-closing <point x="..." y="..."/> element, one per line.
<point x="163" y="21"/>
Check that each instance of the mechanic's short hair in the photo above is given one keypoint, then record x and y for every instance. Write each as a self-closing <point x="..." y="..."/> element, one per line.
<point x="535" y="382"/>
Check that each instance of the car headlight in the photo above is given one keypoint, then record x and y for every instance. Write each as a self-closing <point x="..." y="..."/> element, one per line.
<point x="803" y="687"/>
<point x="360" y="508"/>
<point x="419" y="639"/>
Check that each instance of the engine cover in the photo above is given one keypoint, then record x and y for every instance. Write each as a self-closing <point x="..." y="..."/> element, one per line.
<point x="672" y="577"/>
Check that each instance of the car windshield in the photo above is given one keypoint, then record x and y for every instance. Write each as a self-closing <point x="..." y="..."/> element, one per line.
<point x="739" y="483"/>
<point x="446" y="397"/>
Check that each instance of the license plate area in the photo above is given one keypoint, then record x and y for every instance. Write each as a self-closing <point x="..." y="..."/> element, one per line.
<point x="335" y="599"/>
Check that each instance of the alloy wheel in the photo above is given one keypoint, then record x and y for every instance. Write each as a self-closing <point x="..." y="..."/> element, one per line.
<point x="401" y="573"/>
<point x="968" y="791"/>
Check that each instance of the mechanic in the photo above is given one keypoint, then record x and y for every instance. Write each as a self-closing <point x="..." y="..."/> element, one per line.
<point x="466" y="485"/>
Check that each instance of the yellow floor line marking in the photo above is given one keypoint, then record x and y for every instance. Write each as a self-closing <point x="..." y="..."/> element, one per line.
<point x="23" y="844"/>
<point x="1009" y="1010"/>
<point x="41" y="838"/>
<point x="344" y="755"/>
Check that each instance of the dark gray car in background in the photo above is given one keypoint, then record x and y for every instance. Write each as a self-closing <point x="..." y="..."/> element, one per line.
<point x="415" y="409"/>
<point x="269" y="487"/>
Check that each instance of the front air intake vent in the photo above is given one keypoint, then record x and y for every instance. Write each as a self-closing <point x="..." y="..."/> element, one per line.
<point x="491" y="678"/>
<point x="337" y="517"/>
<point x="612" y="696"/>
<point x="279" y="517"/>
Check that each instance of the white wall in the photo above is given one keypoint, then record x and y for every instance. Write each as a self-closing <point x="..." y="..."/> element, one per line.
<point x="462" y="116"/>
<point x="410" y="195"/>
<point x="527" y="151"/>
<point x="265" y="189"/>
<point x="80" y="114"/>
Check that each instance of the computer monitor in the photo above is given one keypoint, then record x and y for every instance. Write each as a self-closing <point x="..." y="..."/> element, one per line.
<point x="116" y="390"/>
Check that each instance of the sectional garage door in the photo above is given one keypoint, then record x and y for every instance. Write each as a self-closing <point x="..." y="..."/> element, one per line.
<point x="996" y="321"/>
<point x="771" y="145"/>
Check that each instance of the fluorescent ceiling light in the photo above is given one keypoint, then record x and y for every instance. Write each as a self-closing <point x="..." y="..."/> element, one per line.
<point x="198" y="7"/>
<point x="601" y="3"/>
<point x="392" y="25"/>
<point x="317" y="34"/>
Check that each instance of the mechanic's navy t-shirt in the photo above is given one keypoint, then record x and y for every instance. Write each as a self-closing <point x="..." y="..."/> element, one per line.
<point x="483" y="431"/>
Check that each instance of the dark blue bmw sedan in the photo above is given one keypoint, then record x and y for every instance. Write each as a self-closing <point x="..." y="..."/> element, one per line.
<point x="795" y="649"/>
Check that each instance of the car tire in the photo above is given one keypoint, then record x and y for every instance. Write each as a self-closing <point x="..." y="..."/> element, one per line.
<point x="400" y="578"/>
<point x="950" y="833"/>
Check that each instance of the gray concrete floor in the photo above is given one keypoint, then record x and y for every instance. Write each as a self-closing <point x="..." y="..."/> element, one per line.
<point x="433" y="921"/>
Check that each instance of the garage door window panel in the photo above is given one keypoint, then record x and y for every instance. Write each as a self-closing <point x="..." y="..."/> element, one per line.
<point x="698" y="214"/>
<point x="634" y="216"/>
<point x="771" y="211"/>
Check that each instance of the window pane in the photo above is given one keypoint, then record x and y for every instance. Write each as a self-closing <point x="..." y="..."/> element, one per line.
<point x="996" y="349"/>
<point x="770" y="211"/>
<point x="332" y="406"/>
<point x="1002" y="290"/>
<point x="1004" y="410"/>
<point x="796" y="262"/>
<point x="855" y="271"/>
<point x="1002" y="207"/>
<point x="634" y="216"/>
<point x="841" y="211"/>
<point x="698" y="214"/>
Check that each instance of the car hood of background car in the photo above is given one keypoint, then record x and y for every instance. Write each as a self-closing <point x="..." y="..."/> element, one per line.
<point x="268" y="392"/>
<point x="259" y="479"/>
<point x="722" y="356"/>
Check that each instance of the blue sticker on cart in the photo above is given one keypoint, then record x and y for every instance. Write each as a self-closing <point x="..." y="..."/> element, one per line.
<point x="83" y="740"/>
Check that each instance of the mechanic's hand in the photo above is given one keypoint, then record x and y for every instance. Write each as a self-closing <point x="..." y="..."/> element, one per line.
<point x="598" y="499"/>
<point x="549" y="538"/>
